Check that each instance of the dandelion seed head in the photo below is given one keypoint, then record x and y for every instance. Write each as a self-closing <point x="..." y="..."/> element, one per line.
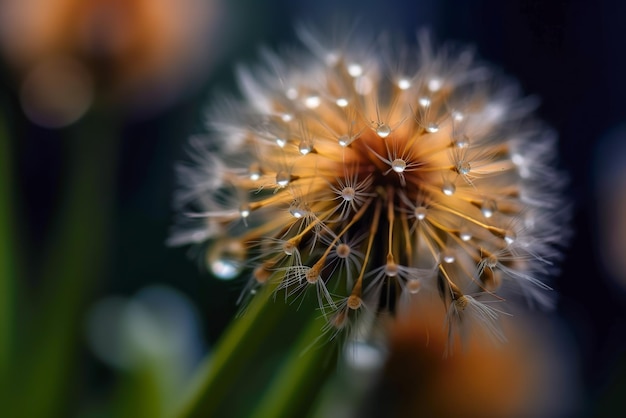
<point x="474" y="193"/>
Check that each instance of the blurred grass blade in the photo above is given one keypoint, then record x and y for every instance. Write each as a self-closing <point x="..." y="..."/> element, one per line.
<point x="234" y="380"/>
<point x="296" y="386"/>
<point x="7" y="254"/>
<point x="73" y="261"/>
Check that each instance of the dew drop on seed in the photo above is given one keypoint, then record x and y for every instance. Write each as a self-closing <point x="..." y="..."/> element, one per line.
<point x="462" y="142"/>
<point x="283" y="178"/>
<point x="465" y="235"/>
<point x="413" y="286"/>
<point x="432" y="127"/>
<point x="244" y="210"/>
<point x="288" y="247"/>
<point x="342" y="102"/>
<point x="345" y="140"/>
<point x="226" y="259"/>
<point x="355" y="70"/>
<point x="510" y="237"/>
<point x="517" y="159"/>
<point x="424" y="101"/>
<point x="305" y="147"/>
<point x="457" y="115"/>
<point x="398" y="165"/>
<point x="488" y="208"/>
<point x="434" y="84"/>
<point x="383" y="130"/>
<point x="225" y="269"/>
<point x="291" y="93"/>
<point x="404" y="84"/>
<point x="281" y="142"/>
<point x="421" y="212"/>
<point x="297" y="211"/>
<point x="391" y="269"/>
<point x="348" y="193"/>
<point x="448" y="188"/>
<point x="463" y="168"/>
<point x="447" y="256"/>
<point x="286" y="117"/>
<point x="312" y="102"/>
<point x="254" y="172"/>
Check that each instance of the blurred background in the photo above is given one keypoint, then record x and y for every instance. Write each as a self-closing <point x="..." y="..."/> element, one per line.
<point x="97" y="100"/>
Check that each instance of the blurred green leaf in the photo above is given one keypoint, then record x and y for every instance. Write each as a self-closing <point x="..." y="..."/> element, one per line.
<point x="262" y="364"/>
<point x="73" y="261"/>
<point x="7" y="254"/>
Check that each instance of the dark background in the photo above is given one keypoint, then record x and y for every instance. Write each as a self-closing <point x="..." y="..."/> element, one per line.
<point x="569" y="53"/>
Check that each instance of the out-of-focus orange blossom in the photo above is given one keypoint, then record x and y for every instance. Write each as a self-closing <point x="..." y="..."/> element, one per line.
<point x="517" y="379"/>
<point x="141" y="53"/>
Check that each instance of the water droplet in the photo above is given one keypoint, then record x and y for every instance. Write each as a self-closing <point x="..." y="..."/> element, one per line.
<point x="398" y="165"/>
<point x="348" y="193"/>
<point x="298" y="209"/>
<point x="432" y="127"/>
<point x="435" y="84"/>
<point x="255" y="172"/>
<point x="288" y="247"/>
<point x="281" y="142"/>
<point x="462" y="142"/>
<point x="312" y="102"/>
<point x="355" y="70"/>
<point x="413" y="286"/>
<point x="421" y="212"/>
<point x="283" y="178"/>
<point x="404" y="84"/>
<point x="447" y="256"/>
<point x="517" y="159"/>
<point x="448" y="188"/>
<point x="244" y="210"/>
<point x="292" y="93"/>
<point x="383" y="130"/>
<point x="463" y="168"/>
<point x="424" y="101"/>
<point x="342" y="102"/>
<point x="287" y="117"/>
<point x="343" y="250"/>
<point x="305" y="147"/>
<point x="345" y="140"/>
<point x="226" y="259"/>
<point x="510" y="237"/>
<point x="465" y="235"/>
<point x="391" y="269"/>
<point x="488" y="208"/>
<point x="457" y="115"/>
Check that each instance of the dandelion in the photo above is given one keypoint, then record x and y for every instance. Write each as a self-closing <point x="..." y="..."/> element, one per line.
<point x="372" y="180"/>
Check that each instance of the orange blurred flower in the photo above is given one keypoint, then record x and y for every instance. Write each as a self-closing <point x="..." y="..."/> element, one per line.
<point x="142" y="51"/>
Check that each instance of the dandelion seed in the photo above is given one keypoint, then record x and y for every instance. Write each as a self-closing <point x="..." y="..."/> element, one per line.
<point x="448" y="194"/>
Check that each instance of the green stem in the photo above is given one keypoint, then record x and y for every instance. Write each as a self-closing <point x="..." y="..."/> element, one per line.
<point x="7" y="255"/>
<point x="73" y="263"/>
<point x="229" y="358"/>
<point x="296" y="387"/>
